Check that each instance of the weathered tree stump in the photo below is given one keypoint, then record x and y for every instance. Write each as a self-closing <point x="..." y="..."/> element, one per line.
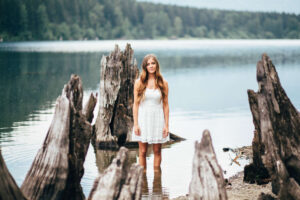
<point x="58" y="166"/>
<point x="119" y="180"/>
<point x="113" y="127"/>
<point x="9" y="190"/>
<point x="89" y="107"/>
<point x="207" y="176"/>
<point x="105" y="157"/>
<point x="115" y="119"/>
<point x="276" y="143"/>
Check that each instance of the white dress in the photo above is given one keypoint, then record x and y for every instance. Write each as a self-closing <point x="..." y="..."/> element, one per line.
<point x="151" y="119"/>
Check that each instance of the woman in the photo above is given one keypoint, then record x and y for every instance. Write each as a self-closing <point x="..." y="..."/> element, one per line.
<point x="150" y="111"/>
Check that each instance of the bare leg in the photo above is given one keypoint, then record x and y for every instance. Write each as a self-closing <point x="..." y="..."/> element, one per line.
<point x="142" y="154"/>
<point x="157" y="156"/>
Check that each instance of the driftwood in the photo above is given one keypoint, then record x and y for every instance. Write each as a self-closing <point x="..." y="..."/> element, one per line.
<point x="276" y="143"/>
<point x="207" y="176"/>
<point x="58" y="166"/>
<point x="115" y="121"/>
<point x="9" y="190"/>
<point x="119" y="180"/>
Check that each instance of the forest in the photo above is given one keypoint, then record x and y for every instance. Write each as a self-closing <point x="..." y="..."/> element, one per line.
<point x="27" y="20"/>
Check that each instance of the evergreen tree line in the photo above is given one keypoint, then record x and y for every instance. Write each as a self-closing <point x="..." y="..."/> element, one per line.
<point x="128" y="19"/>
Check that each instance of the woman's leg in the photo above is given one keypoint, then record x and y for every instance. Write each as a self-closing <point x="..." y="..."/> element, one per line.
<point x="157" y="156"/>
<point x="142" y="154"/>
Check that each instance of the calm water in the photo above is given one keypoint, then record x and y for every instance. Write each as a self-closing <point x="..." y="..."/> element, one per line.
<point x="208" y="81"/>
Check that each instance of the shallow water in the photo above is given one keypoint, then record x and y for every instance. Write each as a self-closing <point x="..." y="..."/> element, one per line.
<point x="208" y="83"/>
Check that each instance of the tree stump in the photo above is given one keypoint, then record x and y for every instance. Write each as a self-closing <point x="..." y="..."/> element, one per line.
<point x="276" y="143"/>
<point x="9" y="190"/>
<point x="119" y="180"/>
<point x="89" y="107"/>
<point x="105" y="157"/>
<point x="58" y="166"/>
<point x="113" y="127"/>
<point x="115" y="119"/>
<point x="207" y="176"/>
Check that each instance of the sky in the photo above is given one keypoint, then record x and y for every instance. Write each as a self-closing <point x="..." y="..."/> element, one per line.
<point x="287" y="6"/>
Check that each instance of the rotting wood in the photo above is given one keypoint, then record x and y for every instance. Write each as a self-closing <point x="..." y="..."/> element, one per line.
<point x="207" y="176"/>
<point x="89" y="107"/>
<point x="276" y="143"/>
<point x="119" y="180"/>
<point x="115" y="121"/>
<point x="9" y="189"/>
<point x="58" y="166"/>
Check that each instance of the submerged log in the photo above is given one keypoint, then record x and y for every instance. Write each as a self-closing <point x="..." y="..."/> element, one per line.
<point x="58" y="166"/>
<point x="207" y="176"/>
<point x="119" y="180"/>
<point x="9" y="190"/>
<point x="276" y="143"/>
<point x="115" y="119"/>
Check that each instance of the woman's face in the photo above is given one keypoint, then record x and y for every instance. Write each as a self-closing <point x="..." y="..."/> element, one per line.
<point x="151" y="66"/>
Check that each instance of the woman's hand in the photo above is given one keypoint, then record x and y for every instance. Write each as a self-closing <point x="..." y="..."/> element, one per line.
<point x="165" y="132"/>
<point x="137" y="130"/>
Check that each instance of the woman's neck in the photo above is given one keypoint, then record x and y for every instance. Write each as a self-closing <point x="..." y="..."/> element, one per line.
<point x="151" y="76"/>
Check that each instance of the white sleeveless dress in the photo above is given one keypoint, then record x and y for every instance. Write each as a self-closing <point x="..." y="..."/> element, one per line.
<point x="151" y="119"/>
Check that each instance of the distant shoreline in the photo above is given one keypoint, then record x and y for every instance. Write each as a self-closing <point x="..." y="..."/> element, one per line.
<point x="144" y="45"/>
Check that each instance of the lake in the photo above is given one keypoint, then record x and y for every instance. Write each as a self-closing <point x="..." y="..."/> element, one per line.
<point x="208" y="82"/>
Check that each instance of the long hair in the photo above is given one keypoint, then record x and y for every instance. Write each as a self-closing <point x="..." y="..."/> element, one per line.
<point x="159" y="83"/>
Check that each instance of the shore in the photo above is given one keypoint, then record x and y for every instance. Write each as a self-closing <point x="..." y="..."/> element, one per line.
<point x="237" y="189"/>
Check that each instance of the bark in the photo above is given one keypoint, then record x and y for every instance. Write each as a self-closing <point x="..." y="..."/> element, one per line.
<point x="58" y="166"/>
<point x="276" y="143"/>
<point x="115" y="119"/>
<point x="8" y="188"/>
<point x="119" y="180"/>
<point x="105" y="157"/>
<point x="207" y="176"/>
<point x="89" y="107"/>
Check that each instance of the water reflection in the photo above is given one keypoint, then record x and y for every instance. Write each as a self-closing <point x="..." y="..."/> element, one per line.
<point x="31" y="82"/>
<point x="207" y="91"/>
<point x="154" y="191"/>
<point x="157" y="191"/>
<point x="105" y="157"/>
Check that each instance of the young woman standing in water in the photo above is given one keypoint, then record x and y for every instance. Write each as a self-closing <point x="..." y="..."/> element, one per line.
<point x="150" y="111"/>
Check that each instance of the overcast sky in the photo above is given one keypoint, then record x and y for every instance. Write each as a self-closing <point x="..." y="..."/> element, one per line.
<point x="287" y="6"/>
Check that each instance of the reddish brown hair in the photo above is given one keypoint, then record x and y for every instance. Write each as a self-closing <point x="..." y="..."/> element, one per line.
<point x="159" y="83"/>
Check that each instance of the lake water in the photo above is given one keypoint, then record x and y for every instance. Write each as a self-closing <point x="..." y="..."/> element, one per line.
<point x="208" y="82"/>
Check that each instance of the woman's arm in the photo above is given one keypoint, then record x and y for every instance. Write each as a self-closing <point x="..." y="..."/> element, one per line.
<point x="135" y="109"/>
<point x="166" y="111"/>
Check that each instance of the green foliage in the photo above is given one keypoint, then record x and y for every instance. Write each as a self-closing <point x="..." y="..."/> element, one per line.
<point x="128" y="19"/>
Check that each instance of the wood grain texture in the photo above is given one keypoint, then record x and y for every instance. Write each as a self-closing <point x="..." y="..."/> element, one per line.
<point x="115" y="119"/>
<point x="207" y="176"/>
<point x="276" y="143"/>
<point x="9" y="189"/>
<point x="119" y="180"/>
<point x="58" y="166"/>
